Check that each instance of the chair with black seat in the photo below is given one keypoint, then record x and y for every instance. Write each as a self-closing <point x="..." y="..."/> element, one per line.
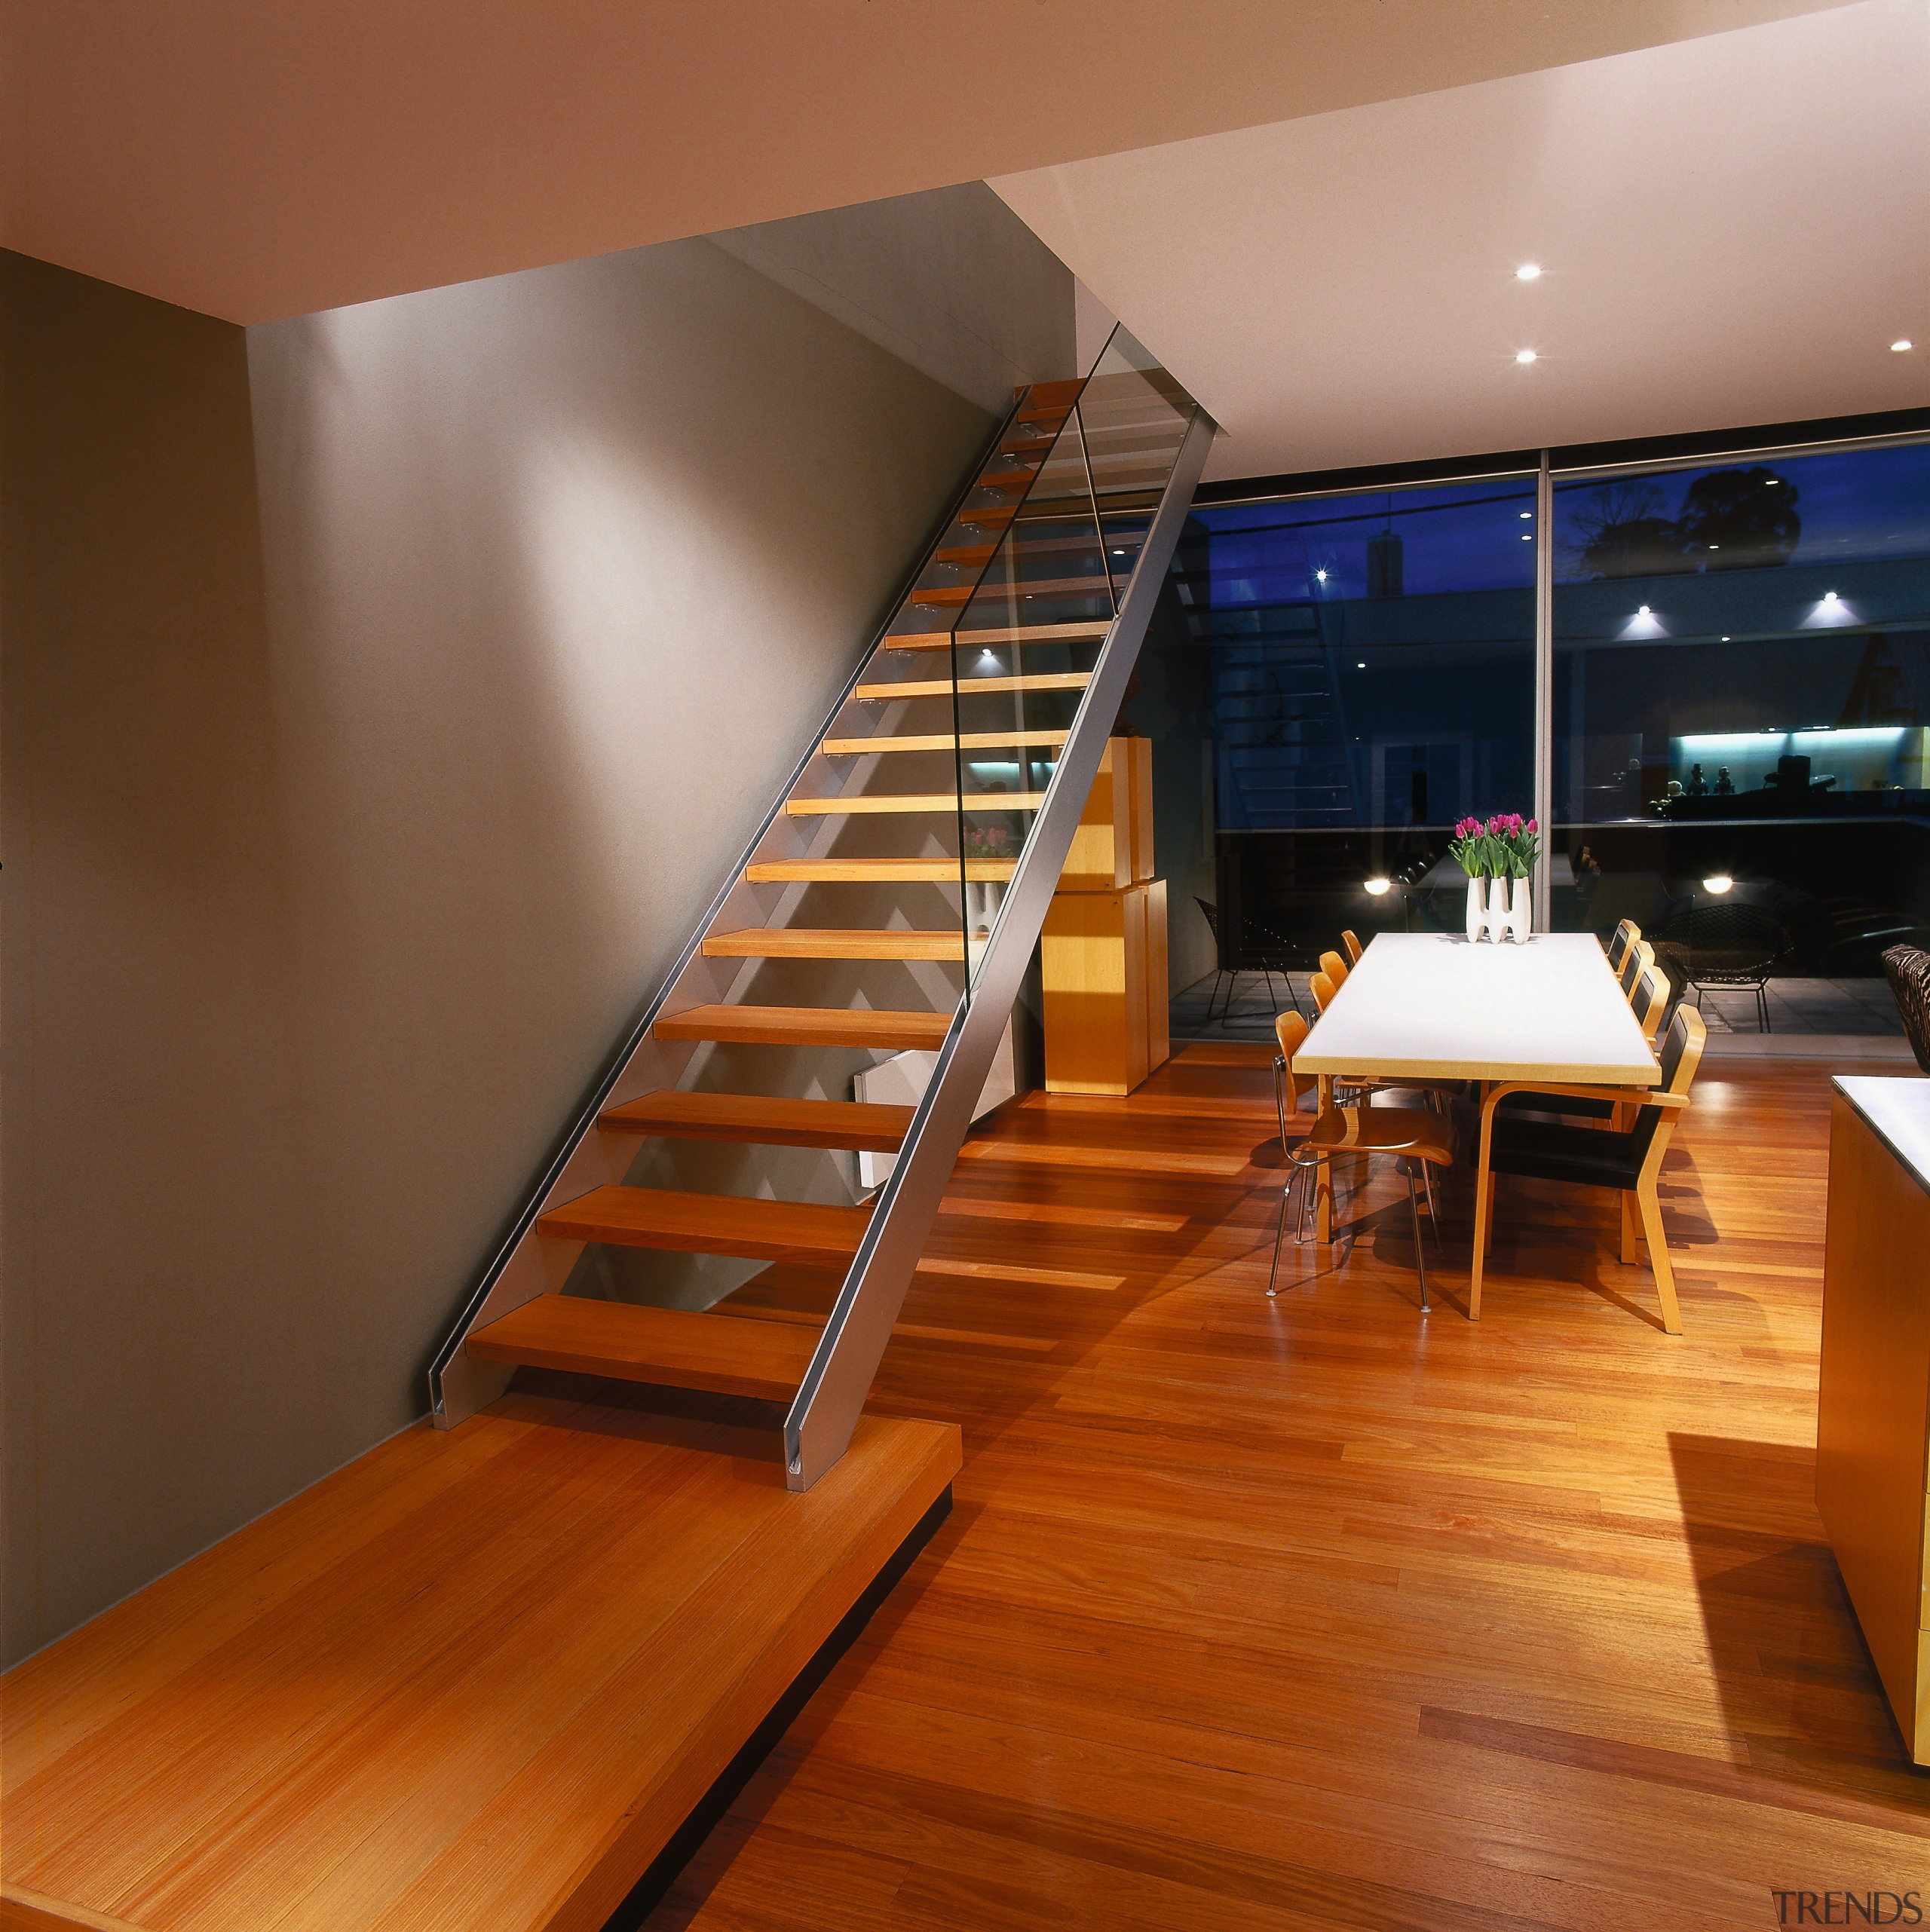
<point x="1649" y="1001"/>
<point x="1627" y="1159"/>
<point x="1418" y="1137"/>
<point x="1624" y="936"/>
<point x="1907" y="968"/>
<point x="1638" y="960"/>
<point x="1734" y="946"/>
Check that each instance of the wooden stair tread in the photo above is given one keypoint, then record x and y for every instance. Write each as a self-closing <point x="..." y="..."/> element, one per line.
<point x="878" y="871"/>
<point x="913" y="801"/>
<point x="808" y="1026"/>
<point x="673" y="1348"/>
<point x="942" y="687"/>
<point x="680" y="1223"/>
<point x="943" y="741"/>
<point x="806" y="942"/>
<point x="632" y="1602"/>
<point x="768" y="1120"/>
<point x="1084" y="630"/>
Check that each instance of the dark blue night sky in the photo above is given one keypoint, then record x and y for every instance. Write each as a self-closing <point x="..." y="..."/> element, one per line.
<point x="1854" y="505"/>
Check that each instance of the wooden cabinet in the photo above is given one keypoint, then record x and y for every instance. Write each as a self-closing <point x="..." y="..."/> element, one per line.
<point x="1103" y="951"/>
<point x="1873" y="1410"/>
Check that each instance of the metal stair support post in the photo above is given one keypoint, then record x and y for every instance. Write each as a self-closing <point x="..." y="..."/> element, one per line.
<point x="818" y="1427"/>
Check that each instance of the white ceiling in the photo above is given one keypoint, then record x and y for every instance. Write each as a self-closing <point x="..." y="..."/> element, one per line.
<point x="1732" y="229"/>
<point x="255" y="158"/>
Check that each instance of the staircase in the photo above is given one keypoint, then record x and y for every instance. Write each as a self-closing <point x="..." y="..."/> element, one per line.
<point x="891" y="900"/>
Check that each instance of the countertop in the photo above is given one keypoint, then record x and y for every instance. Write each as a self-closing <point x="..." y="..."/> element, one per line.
<point x="1898" y="1111"/>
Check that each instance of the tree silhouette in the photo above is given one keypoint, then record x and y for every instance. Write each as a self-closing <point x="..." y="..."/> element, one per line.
<point x="1623" y="533"/>
<point x="1730" y="519"/>
<point x="1740" y="520"/>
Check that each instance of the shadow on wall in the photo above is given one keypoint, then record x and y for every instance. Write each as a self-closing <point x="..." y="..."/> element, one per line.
<point x="367" y="762"/>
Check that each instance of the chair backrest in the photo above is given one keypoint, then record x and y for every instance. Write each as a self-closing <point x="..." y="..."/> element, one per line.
<point x="1624" y="936"/>
<point x="1324" y="990"/>
<point x="1640" y="957"/>
<point x="1354" y="947"/>
<point x="1291" y="1030"/>
<point x="1907" y="968"/>
<point x="1681" y="1054"/>
<point x="1650" y="1001"/>
<point x="1335" y="967"/>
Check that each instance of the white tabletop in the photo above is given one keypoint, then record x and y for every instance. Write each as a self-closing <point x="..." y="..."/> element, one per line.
<point x="1432" y="1004"/>
<point x="1899" y="1111"/>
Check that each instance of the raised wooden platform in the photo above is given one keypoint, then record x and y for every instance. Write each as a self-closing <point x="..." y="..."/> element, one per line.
<point x="473" y="1680"/>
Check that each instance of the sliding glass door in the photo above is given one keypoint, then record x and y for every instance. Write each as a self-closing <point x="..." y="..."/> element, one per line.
<point x="1739" y="674"/>
<point x="1364" y="670"/>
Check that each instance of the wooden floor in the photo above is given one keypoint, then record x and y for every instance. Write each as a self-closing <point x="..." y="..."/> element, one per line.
<point x="1310" y="1614"/>
<point x="473" y="1681"/>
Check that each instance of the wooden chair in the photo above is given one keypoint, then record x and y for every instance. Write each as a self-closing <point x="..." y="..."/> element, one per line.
<point x="1418" y="1136"/>
<point x="1323" y="986"/>
<point x="1354" y="948"/>
<point x="1624" y="936"/>
<point x="1335" y="967"/>
<point x="1628" y="1159"/>
<point x="1638" y="960"/>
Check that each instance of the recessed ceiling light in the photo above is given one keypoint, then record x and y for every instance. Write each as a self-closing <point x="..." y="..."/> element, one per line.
<point x="1525" y="356"/>
<point x="1529" y="271"/>
<point x="1320" y="576"/>
<point x="1528" y="516"/>
<point x="1362" y="665"/>
<point x="1527" y="536"/>
<point x="1902" y="343"/>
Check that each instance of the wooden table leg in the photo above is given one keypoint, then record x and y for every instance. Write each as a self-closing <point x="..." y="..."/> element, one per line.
<point x="1323" y="1177"/>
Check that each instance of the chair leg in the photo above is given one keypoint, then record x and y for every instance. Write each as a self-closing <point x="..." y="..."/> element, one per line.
<point x="1631" y="1253"/>
<point x="1763" y="1007"/>
<point x="1280" y="1231"/>
<point x="1664" y="1272"/>
<point x="1489" y="1249"/>
<point x="1280" y="1097"/>
<point x="1420" y="1253"/>
<point x="1433" y="1212"/>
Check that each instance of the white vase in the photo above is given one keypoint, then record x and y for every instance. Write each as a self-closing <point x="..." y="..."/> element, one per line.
<point x="1519" y="922"/>
<point x="1477" y="907"/>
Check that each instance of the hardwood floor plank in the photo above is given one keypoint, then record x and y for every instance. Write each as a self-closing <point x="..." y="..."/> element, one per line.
<point x="1311" y="1611"/>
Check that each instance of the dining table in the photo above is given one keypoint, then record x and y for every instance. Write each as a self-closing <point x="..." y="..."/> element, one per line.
<point x="1436" y="1007"/>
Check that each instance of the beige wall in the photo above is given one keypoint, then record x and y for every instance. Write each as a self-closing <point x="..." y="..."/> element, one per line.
<point x="385" y="693"/>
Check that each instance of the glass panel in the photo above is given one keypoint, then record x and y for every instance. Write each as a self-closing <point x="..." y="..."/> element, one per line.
<point x="1340" y="679"/>
<point x="1742" y="718"/>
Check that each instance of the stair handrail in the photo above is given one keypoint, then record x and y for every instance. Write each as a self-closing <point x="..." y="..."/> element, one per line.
<point x="819" y="1426"/>
<point x="587" y="1114"/>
